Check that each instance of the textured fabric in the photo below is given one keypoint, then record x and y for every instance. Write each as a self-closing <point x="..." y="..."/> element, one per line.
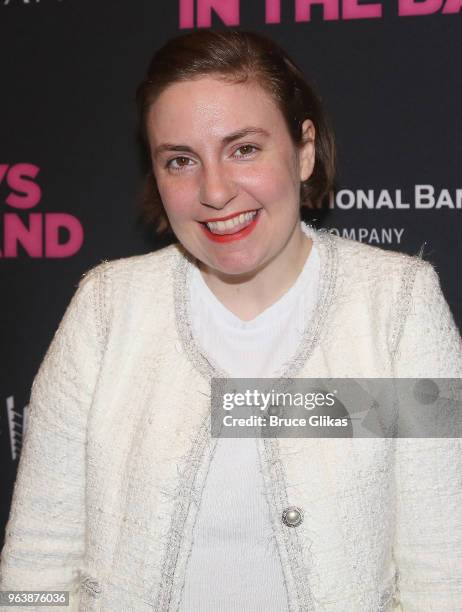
<point x="118" y="446"/>
<point x="258" y="347"/>
<point x="233" y="530"/>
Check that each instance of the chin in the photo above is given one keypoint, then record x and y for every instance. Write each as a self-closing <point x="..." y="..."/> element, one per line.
<point x="236" y="266"/>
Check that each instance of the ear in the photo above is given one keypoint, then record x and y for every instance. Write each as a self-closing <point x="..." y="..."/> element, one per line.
<point x="307" y="150"/>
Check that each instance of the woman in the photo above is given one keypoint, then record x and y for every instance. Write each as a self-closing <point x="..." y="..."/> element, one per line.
<point x="122" y="495"/>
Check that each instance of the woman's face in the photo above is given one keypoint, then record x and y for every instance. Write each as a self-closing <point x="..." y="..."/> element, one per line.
<point x="222" y="154"/>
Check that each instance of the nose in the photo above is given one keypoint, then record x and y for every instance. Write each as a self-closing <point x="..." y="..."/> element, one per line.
<point x="216" y="188"/>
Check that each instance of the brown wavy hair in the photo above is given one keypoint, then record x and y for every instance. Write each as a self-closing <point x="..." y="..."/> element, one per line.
<point x="237" y="56"/>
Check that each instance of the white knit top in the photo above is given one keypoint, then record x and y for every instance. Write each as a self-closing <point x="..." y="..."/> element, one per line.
<point x="234" y="564"/>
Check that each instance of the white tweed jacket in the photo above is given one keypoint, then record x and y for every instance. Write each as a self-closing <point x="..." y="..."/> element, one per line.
<point x="118" y="446"/>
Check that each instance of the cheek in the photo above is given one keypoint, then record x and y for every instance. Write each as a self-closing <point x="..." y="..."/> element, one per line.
<point x="177" y="197"/>
<point x="272" y="183"/>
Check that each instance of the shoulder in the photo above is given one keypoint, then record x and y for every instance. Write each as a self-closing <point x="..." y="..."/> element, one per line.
<point x="383" y="283"/>
<point x="126" y="288"/>
<point x="136" y="271"/>
<point x="373" y="268"/>
<point x="403" y="291"/>
<point x="372" y="259"/>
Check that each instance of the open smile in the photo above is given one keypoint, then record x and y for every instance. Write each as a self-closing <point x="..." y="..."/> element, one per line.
<point x="231" y="228"/>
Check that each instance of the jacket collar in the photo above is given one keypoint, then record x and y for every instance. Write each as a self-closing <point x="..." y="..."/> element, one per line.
<point x="184" y="263"/>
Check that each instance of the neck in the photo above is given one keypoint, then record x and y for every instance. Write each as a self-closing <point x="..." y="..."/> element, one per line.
<point x="248" y="295"/>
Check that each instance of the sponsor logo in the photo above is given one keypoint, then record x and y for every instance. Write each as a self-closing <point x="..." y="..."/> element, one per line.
<point x="371" y="235"/>
<point x="423" y="197"/>
<point x="17" y="424"/>
<point x="38" y="234"/>
<point x="198" y="13"/>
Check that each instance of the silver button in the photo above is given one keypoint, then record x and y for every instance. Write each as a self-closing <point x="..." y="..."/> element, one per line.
<point x="292" y="516"/>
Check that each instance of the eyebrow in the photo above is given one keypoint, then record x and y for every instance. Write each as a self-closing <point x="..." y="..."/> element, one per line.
<point x="226" y="140"/>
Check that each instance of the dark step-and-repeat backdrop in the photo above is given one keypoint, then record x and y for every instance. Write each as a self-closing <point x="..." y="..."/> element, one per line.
<point x="389" y="73"/>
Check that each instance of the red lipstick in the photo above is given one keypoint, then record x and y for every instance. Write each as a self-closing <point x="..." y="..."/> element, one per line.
<point x="236" y="214"/>
<point x="223" y="238"/>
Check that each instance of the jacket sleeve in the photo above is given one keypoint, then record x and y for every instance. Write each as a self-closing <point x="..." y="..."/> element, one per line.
<point x="45" y="533"/>
<point x="428" y="539"/>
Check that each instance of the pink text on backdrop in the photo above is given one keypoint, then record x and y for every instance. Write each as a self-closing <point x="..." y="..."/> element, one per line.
<point x="37" y="233"/>
<point x="198" y="13"/>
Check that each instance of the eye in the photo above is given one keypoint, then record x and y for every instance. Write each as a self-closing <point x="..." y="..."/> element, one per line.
<point x="245" y="150"/>
<point x="178" y="163"/>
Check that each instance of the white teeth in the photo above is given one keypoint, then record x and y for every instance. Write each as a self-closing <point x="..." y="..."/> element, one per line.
<point x="231" y="223"/>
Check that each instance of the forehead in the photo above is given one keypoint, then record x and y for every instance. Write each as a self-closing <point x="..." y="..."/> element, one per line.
<point x="211" y="107"/>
